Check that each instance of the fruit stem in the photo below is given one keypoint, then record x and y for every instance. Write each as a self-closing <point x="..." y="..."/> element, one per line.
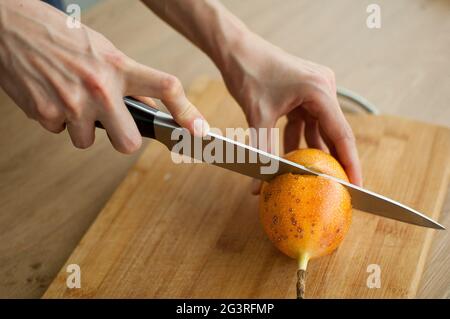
<point x="301" y="275"/>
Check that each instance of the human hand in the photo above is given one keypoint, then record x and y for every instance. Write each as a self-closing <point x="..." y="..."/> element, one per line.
<point x="269" y="83"/>
<point x="73" y="77"/>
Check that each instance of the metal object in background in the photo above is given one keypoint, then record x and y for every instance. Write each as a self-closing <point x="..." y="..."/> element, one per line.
<point x="358" y="100"/>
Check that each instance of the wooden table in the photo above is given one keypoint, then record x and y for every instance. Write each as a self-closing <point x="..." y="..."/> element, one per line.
<point x="175" y="230"/>
<point x="50" y="193"/>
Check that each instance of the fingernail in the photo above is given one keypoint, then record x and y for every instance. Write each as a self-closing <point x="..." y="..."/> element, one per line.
<point x="201" y="127"/>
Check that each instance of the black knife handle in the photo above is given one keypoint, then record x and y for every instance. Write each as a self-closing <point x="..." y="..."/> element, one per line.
<point x="144" y="119"/>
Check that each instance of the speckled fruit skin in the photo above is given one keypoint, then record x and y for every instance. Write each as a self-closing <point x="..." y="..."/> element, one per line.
<point x="306" y="215"/>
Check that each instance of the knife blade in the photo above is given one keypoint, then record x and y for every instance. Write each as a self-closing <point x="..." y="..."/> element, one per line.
<point x="161" y="126"/>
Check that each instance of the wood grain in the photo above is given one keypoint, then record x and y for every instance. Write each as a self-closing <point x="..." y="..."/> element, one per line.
<point x="50" y="193"/>
<point x="192" y="230"/>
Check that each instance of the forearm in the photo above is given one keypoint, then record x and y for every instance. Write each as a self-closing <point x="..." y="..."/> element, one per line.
<point x="206" y="23"/>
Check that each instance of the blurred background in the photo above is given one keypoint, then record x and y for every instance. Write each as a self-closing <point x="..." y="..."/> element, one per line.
<point x="402" y="68"/>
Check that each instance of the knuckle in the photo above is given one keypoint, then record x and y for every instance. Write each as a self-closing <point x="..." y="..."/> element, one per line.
<point x="171" y="87"/>
<point x="346" y="135"/>
<point x="317" y="94"/>
<point x="184" y="113"/>
<point x="320" y="80"/>
<point x="49" y="113"/>
<point x="350" y="136"/>
<point x="49" y="116"/>
<point x="322" y="93"/>
<point x="74" y="111"/>
<point x="329" y="73"/>
<point x="116" y="59"/>
<point x="73" y="107"/>
<point x="97" y="88"/>
<point x="260" y="116"/>
<point x="40" y="110"/>
<point x="95" y="85"/>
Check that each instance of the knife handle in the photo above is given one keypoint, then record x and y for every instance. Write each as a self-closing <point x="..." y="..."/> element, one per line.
<point x="143" y="115"/>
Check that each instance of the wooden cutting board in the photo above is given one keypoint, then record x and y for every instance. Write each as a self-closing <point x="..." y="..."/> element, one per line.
<point x="192" y="230"/>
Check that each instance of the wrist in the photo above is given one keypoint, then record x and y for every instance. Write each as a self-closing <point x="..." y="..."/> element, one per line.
<point x="227" y="37"/>
<point x="229" y="45"/>
<point x="242" y="56"/>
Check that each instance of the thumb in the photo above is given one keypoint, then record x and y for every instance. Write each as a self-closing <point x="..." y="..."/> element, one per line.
<point x="145" y="81"/>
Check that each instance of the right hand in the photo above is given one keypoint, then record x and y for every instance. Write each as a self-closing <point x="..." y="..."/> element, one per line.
<point x="269" y="83"/>
<point x="65" y="77"/>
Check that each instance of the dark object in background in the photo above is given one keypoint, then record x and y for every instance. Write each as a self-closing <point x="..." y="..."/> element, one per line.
<point x="59" y="4"/>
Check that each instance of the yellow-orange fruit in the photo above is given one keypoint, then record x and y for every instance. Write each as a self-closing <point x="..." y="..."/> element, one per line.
<point x="306" y="216"/>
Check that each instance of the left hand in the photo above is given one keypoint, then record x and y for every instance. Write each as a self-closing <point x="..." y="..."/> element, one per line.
<point x="269" y="83"/>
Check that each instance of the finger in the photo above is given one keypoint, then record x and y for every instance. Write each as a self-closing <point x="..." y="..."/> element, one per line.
<point x="328" y="142"/>
<point x="43" y="108"/>
<point x="262" y="133"/>
<point x="121" y="128"/>
<point x="348" y="155"/>
<point x="337" y="129"/>
<point x="146" y="100"/>
<point x="312" y="134"/>
<point x="255" y="186"/>
<point x="293" y="130"/>
<point x="82" y="133"/>
<point x="54" y="127"/>
<point x="50" y="117"/>
<point x="262" y="137"/>
<point x="145" y="81"/>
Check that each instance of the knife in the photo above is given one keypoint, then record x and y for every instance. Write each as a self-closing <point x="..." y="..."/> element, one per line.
<point x="158" y="125"/>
